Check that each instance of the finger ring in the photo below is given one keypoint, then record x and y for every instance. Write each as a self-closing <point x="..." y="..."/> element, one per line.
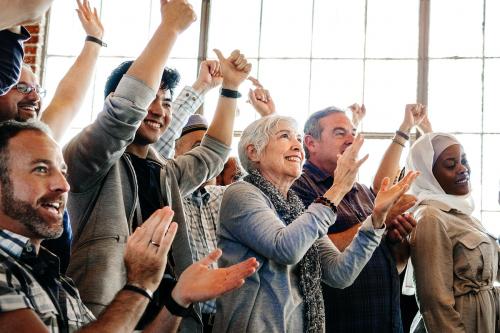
<point x="155" y="244"/>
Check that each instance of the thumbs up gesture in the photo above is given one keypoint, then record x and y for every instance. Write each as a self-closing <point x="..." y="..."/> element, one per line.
<point x="234" y="69"/>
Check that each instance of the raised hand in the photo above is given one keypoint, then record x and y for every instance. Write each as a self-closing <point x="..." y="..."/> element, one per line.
<point x="260" y="99"/>
<point x="235" y="69"/>
<point x="147" y="249"/>
<point x="90" y="19"/>
<point x="414" y="114"/>
<point x="177" y="14"/>
<point x="209" y="76"/>
<point x="348" y="166"/>
<point x="200" y="283"/>
<point x="358" y="113"/>
<point x="388" y="195"/>
<point x="425" y="125"/>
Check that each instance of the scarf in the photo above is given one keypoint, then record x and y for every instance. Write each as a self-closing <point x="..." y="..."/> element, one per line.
<point x="422" y="157"/>
<point x="309" y="267"/>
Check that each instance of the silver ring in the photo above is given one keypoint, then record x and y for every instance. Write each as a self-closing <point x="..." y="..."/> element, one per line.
<point x="155" y="244"/>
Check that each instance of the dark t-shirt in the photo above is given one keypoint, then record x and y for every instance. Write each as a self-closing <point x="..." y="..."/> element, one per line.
<point x="11" y="57"/>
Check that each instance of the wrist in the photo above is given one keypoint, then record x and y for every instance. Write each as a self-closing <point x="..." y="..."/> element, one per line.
<point x="377" y="219"/>
<point x="138" y="289"/>
<point x="95" y="40"/>
<point x="177" y="297"/>
<point x="230" y="85"/>
<point x="405" y="128"/>
<point x="200" y="87"/>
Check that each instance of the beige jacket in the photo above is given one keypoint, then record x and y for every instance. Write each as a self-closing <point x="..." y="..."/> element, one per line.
<point x="456" y="263"/>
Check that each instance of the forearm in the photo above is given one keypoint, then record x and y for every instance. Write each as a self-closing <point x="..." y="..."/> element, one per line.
<point x="71" y="91"/>
<point x="122" y="315"/>
<point x="165" y="322"/>
<point x="388" y="166"/>
<point x="340" y="269"/>
<point x="221" y="127"/>
<point x="148" y="67"/>
<point x="15" y="12"/>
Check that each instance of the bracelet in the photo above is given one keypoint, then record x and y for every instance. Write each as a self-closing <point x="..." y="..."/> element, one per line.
<point x="403" y="135"/>
<point x="143" y="291"/>
<point x="95" y="40"/>
<point x="324" y="201"/>
<point x="399" y="143"/>
<point x="230" y="93"/>
<point x="172" y="306"/>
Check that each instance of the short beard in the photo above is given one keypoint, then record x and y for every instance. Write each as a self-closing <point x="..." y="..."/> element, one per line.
<point x="27" y="215"/>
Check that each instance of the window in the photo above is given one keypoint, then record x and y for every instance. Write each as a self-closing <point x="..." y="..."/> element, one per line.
<point x="312" y="54"/>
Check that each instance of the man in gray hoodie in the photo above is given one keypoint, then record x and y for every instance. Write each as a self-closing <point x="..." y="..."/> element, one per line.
<point x="118" y="179"/>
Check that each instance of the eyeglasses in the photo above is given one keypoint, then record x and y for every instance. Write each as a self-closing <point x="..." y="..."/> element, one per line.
<point x="26" y="89"/>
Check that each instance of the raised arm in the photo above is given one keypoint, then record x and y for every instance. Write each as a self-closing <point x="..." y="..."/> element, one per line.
<point x="414" y="113"/>
<point x="186" y="103"/>
<point x="87" y="158"/>
<point x="71" y="91"/>
<point x="358" y="113"/>
<point x="261" y="99"/>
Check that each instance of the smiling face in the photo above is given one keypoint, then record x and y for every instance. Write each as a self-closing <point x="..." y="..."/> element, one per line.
<point x="337" y="133"/>
<point x="452" y="171"/>
<point x="157" y="119"/>
<point x="19" y="106"/>
<point x="281" y="160"/>
<point x="34" y="190"/>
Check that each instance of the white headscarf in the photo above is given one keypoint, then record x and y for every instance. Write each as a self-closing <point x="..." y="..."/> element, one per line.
<point x="423" y="154"/>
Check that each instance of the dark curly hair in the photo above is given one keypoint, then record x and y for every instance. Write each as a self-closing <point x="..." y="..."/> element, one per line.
<point x="169" y="79"/>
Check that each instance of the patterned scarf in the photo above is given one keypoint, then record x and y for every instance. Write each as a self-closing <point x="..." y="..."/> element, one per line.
<point x="310" y="266"/>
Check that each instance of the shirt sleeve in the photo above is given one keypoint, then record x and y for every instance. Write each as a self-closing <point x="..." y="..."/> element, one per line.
<point x="340" y="269"/>
<point x="11" y="58"/>
<point x="11" y="296"/>
<point x="248" y="217"/>
<point x="432" y="258"/>
<point x="186" y="103"/>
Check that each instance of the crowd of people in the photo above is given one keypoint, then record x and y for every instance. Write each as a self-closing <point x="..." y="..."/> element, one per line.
<point x="281" y="238"/>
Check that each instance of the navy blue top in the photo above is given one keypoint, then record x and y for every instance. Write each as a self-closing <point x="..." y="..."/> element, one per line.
<point x="371" y="303"/>
<point x="11" y="57"/>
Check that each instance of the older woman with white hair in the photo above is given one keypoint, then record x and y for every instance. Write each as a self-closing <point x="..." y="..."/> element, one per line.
<point x="261" y="217"/>
<point x="455" y="260"/>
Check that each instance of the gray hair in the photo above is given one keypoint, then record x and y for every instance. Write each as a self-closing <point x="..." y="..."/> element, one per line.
<point x="258" y="134"/>
<point x="312" y="126"/>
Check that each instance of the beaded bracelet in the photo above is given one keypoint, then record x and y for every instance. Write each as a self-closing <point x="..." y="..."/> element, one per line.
<point x="324" y="201"/>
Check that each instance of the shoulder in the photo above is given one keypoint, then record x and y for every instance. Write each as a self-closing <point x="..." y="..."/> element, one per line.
<point x="242" y="195"/>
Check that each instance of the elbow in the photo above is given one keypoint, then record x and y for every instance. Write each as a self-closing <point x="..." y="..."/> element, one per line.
<point x="290" y="259"/>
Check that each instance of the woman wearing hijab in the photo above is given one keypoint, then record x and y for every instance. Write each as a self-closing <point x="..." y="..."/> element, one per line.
<point x="261" y="217"/>
<point x="455" y="260"/>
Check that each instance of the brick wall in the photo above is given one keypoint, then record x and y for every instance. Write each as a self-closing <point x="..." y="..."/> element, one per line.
<point x="33" y="47"/>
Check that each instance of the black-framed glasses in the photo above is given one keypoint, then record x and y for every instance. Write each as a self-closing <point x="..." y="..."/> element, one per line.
<point x="25" y="88"/>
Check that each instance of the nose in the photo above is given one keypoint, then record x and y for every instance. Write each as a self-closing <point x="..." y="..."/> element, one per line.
<point x="463" y="169"/>
<point x="33" y="96"/>
<point x="59" y="183"/>
<point x="156" y="108"/>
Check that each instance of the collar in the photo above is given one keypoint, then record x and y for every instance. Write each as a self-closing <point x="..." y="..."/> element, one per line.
<point x="319" y="176"/>
<point x="15" y="244"/>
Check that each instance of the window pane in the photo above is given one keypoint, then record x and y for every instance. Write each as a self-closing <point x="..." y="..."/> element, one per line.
<point x="491" y="176"/>
<point x="332" y="19"/>
<point x="490" y="221"/>
<point x="455" y="95"/>
<point x="491" y="103"/>
<point x="492" y="28"/>
<point x="288" y="82"/>
<point x="235" y="29"/>
<point x="472" y="144"/>
<point x="286" y="28"/>
<point x="336" y="82"/>
<point x="127" y="27"/>
<point x="58" y="67"/>
<point x="376" y="148"/>
<point x="186" y="45"/>
<point x="390" y="35"/>
<point x="456" y="28"/>
<point x="65" y="30"/>
<point x="389" y="86"/>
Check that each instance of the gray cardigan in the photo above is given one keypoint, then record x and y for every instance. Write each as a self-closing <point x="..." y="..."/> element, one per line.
<point x="270" y="300"/>
<point x="104" y="192"/>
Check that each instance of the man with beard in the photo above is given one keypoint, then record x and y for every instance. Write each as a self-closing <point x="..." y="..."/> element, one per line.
<point x="34" y="296"/>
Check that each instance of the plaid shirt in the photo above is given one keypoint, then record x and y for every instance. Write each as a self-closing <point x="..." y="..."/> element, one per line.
<point x="371" y="303"/>
<point x="186" y="103"/>
<point x="20" y="289"/>
<point x="201" y="211"/>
